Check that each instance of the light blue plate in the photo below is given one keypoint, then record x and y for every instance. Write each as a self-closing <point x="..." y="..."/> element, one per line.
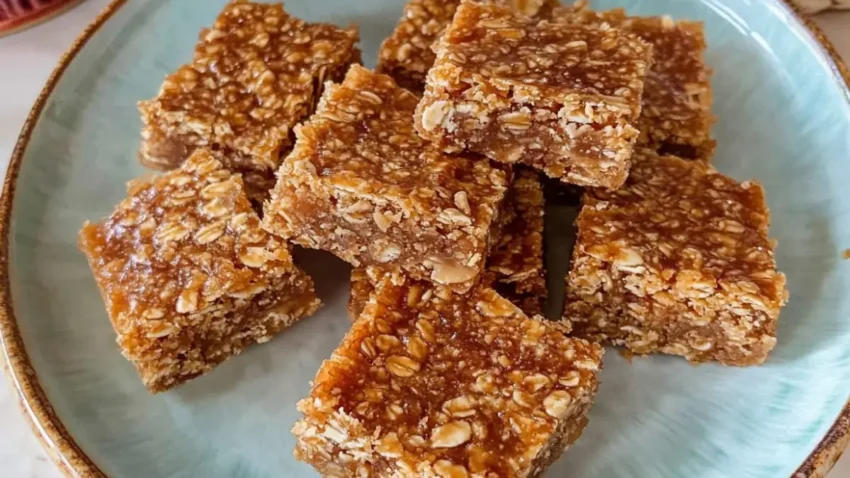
<point x="784" y="119"/>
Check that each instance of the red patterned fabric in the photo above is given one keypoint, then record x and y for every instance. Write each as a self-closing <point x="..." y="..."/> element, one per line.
<point x="15" y="14"/>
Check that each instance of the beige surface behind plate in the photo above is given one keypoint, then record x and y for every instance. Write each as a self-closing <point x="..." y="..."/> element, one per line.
<point x="817" y="6"/>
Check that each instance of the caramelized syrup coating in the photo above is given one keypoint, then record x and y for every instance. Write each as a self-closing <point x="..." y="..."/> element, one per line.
<point x="255" y="74"/>
<point x="362" y="184"/>
<point x="516" y="258"/>
<point x="676" y="114"/>
<point x="406" y="55"/>
<point x="677" y="261"/>
<point x="188" y="276"/>
<point x="431" y="383"/>
<point x="561" y="98"/>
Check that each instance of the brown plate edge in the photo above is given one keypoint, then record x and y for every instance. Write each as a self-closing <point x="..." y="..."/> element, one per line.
<point x="829" y="450"/>
<point x="57" y="440"/>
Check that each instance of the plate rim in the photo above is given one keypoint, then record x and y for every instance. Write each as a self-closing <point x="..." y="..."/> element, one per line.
<point x="57" y="440"/>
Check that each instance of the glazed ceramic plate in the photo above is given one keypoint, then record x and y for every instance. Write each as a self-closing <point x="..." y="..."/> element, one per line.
<point x="784" y="119"/>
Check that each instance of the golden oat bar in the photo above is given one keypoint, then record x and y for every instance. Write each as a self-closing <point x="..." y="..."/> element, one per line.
<point x="256" y="73"/>
<point x="677" y="261"/>
<point x="561" y="98"/>
<point x="406" y="55"/>
<point x="428" y="383"/>
<point x="188" y="276"/>
<point x="516" y="257"/>
<point x="363" y="185"/>
<point x="676" y="115"/>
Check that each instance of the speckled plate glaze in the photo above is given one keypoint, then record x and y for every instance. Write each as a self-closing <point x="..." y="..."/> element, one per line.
<point x="783" y="101"/>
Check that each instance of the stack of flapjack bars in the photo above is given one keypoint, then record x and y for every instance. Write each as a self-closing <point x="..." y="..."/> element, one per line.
<point x="426" y="175"/>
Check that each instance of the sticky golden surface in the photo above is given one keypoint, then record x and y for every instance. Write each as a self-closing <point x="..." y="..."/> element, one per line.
<point x="255" y="74"/>
<point x="406" y="55"/>
<point x="678" y="261"/>
<point x="676" y="106"/>
<point x="431" y="383"/>
<point x="178" y="257"/>
<point x="558" y="97"/>
<point x="362" y="184"/>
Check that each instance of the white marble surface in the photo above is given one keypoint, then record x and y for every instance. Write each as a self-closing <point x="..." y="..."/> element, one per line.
<point x="26" y="60"/>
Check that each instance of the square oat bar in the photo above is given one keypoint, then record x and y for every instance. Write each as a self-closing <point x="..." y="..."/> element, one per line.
<point x="363" y="185"/>
<point x="256" y="73"/>
<point x="516" y="257"/>
<point x="561" y="98"/>
<point x="676" y="113"/>
<point x="406" y="55"/>
<point x="188" y="276"/>
<point x="429" y="383"/>
<point x="677" y="261"/>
